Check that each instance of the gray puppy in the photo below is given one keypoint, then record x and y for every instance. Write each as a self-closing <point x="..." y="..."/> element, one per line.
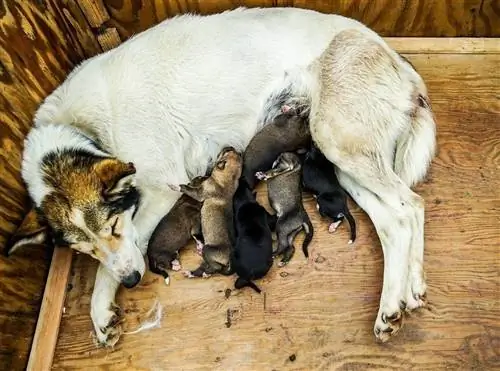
<point x="216" y="193"/>
<point x="173" y="232"/>
<point x="288" y="132"/>
<point x="285" y="196"/>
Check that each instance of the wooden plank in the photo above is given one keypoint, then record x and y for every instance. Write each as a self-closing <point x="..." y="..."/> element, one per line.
<point x="94" y="11"/>
<point x="444" y="45"/>
<point x="109" y="39"/>
<point x="47" y="328"/>
<point x="322" y="310"/>
<point x="417" y="18"/>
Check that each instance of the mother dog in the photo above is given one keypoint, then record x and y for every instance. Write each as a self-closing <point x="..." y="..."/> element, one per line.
<point x="157" y="110"/>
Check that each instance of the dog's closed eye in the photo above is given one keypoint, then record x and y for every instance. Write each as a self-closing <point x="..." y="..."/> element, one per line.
<point x="221" y="165"/>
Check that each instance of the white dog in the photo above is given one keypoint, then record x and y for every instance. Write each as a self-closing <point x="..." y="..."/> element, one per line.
<point x="157" y="109"/>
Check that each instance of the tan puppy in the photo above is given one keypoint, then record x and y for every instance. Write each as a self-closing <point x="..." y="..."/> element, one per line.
<point x="216" y="193"/>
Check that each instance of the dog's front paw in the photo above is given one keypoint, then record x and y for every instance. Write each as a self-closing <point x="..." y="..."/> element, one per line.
<point x="188" y="274"/>
<point x="107" y="325"/>
<point x="260" y="175"/>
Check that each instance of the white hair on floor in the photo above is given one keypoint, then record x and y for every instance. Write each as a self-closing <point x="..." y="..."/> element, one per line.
<point x="153" y="319"/>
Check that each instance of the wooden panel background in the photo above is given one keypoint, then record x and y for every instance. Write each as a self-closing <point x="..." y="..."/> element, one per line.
<point x="40" y="41"/>
<point x="388" y="17"/>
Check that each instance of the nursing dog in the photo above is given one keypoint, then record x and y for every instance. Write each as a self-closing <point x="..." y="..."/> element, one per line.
<point x="288" y="132"/>
<point x="318" y="177"/>
<point x="253" y="252"/>
<point x="369" y="114"/>
<point x="285" y="196"/>
<point x="216" y="193"/>
<point x="175" y="230"/>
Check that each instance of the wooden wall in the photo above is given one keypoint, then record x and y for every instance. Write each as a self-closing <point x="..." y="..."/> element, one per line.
<point x="388" y="17"/>
<point x="42" y="40"/>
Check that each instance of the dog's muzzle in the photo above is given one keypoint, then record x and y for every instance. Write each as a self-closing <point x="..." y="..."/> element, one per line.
<point x="131" y="280"/>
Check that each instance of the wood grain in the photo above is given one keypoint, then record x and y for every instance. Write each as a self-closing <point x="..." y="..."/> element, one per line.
<point x="322" y="310"/>
<point x="51" y="310"/>
<point x="40" y="41"/>
<point x="435" y="18"/>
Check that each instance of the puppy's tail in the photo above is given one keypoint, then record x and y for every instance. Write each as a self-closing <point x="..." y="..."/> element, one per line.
<point x="241" y="282"/>
<point x="352" y="225"/>
<point x="308" y="228"/>
<point x="416" y="146"/>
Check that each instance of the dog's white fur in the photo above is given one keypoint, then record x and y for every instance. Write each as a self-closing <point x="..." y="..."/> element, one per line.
<point x="171" y="97"/>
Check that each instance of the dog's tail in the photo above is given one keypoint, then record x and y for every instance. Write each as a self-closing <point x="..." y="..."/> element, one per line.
<point x="242" y="282"/>
<point x="352" y="225"/>
<point x="308" y="228"/>
<point x="416" y="146"/>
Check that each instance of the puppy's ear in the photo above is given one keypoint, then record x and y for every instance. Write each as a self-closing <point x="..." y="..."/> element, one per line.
<point x="32" y="231"/>
<point x="117" y="177"/>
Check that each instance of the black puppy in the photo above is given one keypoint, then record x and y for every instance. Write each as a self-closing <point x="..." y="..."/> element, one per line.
<point x="252" y="256"/>
<point x="318" y="177"/>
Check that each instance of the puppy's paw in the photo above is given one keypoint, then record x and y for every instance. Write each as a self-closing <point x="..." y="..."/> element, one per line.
<point x="188" y="274"/>
<point x="285" y="108"/>
<point x="205" y="275"/>
<point x="174" y="187"/>
<point x="333" y="227"/>
<point x="176" y="265"/>
<point x="260" y="175"/>
<point x="199" y="247"/>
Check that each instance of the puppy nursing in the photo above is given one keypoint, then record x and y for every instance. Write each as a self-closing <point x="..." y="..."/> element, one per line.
<point x="173" y="233"/>
<point x="285" y="196"/>
<point x="331" y="199"/>
<point x="216" y="193"/>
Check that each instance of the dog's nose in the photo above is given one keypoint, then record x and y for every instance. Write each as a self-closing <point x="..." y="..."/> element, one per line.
<point x="131" y="280"/>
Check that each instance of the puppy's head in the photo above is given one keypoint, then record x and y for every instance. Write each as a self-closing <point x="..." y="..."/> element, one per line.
<point x="86" y="202"/>
<point x="227" y="169"/>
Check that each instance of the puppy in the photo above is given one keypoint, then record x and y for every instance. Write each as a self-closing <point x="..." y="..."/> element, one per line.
<point x="216" y="192"/>
<point x="285" y="196"/>
<point x="288" y="132"/>
<point x="173" y="232"/>
<point x="252" y="256"/>
<point x="318" y="177"/>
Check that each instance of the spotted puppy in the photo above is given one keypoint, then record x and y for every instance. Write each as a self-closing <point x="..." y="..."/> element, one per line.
<point x="216" y="192"/>
<point x="288" y="132"/>
<point x="285" y="196"/>
<point x="253" y="252"/>
<point x="173" y="232"/>
<point x="319" y="178"/>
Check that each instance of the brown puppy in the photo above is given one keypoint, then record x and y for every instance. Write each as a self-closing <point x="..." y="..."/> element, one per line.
<point x="288" y="132"/>
<point x="173" y="232"/>
<point x="216" y="193"/>
<point x="285" y="196"/>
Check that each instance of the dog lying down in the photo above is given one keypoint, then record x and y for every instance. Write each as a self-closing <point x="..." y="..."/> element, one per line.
<point x="318" y="177"/>
<point x="252" y="256"/>
<point x="285" y="196"/>
<point x="173" y="232"/>
<point x="287" y="133"/>
<point x="216" y="193"/>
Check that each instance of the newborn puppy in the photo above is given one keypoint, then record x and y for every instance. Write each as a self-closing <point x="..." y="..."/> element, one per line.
<point x="318" y="176"/>
<point x="285" y="196"/>
<point x="173" y="232"/>
<point x="288" y="132"/>
<point x="216" y="193"/>
<point x="253" y="252"/>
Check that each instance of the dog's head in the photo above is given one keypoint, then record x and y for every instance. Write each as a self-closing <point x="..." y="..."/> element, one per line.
<point x="86" y="202"/>
<point x="227" y="167"/>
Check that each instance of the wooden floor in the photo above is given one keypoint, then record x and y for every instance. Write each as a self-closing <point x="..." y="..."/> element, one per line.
<point x="320" y="313"/>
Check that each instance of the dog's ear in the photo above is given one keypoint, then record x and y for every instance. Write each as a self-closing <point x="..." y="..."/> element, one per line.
<point x="117" y="177"/>
<point x="32" y="231"/>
